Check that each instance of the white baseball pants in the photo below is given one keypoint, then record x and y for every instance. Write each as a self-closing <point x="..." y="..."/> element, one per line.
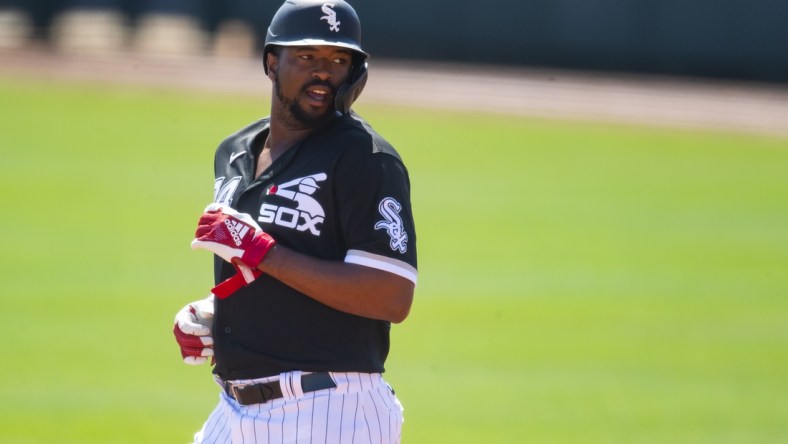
<point x="362" y="409"/>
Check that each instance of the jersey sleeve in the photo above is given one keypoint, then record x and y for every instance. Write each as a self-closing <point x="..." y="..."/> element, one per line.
<point x="376" y="215"/>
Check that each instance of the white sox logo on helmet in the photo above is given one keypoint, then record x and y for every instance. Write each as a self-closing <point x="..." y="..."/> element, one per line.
<point x="330" y="17"/>
<point x="389" y="209"/>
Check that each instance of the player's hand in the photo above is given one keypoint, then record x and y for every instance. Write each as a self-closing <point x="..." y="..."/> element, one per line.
<point x="231" y="235"/>
<point x="192" y="330"/>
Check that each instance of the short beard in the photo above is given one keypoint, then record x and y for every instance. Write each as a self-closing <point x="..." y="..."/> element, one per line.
<point x="297" y="115"/>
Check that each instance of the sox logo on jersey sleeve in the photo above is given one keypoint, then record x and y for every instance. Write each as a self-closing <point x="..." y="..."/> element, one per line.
<point x="389" y="208"/>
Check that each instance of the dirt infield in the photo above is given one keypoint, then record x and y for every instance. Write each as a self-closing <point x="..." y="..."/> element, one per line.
<point x="688" y="103"/>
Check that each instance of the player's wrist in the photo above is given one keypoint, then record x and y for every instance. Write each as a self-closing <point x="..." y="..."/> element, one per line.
<point x="261" y="245"/>
<point x="272" y="259"/>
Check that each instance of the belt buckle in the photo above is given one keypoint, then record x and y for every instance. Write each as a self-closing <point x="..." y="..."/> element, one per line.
<point x="235" y="389"/>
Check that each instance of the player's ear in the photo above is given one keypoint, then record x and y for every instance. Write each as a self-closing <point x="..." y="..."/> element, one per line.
<point x="272" y="61"/>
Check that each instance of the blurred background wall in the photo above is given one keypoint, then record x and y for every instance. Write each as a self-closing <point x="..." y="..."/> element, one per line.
<point x="735" y="39"/>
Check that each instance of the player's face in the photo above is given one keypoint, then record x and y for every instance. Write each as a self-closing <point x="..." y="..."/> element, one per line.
<point x="306" y="79"/>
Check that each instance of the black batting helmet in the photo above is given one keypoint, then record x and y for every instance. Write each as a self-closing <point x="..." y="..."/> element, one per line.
<point x="319" y="22"/>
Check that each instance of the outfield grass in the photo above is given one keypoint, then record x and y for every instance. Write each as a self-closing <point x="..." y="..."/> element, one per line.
<point x="579" y="283"/>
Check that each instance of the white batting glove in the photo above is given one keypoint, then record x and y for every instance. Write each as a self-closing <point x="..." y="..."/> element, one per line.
<point x="192" y="331"/>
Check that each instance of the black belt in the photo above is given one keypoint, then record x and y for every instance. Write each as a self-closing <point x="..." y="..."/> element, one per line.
<point x="248" y="394"/>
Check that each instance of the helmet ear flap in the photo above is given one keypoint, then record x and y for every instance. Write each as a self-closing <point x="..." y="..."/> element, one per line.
<point x="349" y="92"/>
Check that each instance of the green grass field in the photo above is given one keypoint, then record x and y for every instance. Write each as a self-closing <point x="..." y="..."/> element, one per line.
<point x="579" y="283"/>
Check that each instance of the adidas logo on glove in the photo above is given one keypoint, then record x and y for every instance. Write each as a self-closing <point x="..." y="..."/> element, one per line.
<point x="237" y="230"/>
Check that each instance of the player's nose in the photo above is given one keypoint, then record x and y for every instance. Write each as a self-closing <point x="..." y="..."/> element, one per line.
<point x="323" y="69"/>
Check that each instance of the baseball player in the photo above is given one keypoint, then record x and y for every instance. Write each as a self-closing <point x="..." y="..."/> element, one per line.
<point x="315" y="251"/>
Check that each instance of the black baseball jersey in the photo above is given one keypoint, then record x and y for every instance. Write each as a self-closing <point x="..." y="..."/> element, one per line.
<point x="341" y="194"/>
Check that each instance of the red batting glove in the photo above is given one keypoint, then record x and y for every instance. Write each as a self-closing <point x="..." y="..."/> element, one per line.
<point x="242" y="278"/>
<point x="192" y="331"/>
<point x="232" y="235"/>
